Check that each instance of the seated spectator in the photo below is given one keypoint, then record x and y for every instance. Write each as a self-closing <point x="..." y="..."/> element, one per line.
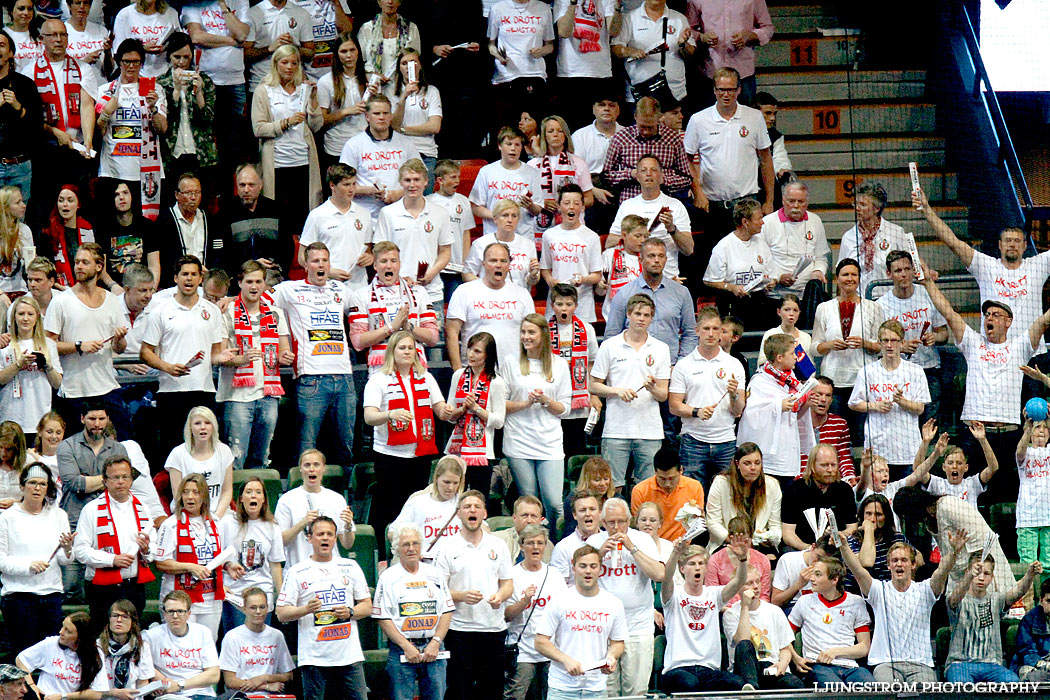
<point x="722" y="564"/>
<point x="876" y="534"/>
<point x="433" y="510"/>
<point x="127" y="660"/>
<point x="66" y="231"/>
<point x="1031" y="661"/>
<point x="588" y="522"/>
<point x="252" y="532"/>
<point x="976" y="650"/>
<point x="12" y="463"/>
<point x="186" y="230"/>
<point x="759" y="639"/>
<point x="203" y="453"/>
<point x="649" y="519"/>
<point x="50" y="432"/>
<point x="788" y="311"/>
<point x="254" y="656"/>
<point x="183" y="652"/>
<point x="68" y="663"/>
<point x="795" y="571"/>
<point x="30" y="367"/>
<point x="692" y="659"/>
<point x="126" y="236"/>
<point x="829" y="428"/>
<point x="819" y="487"/>
<point x="744" y="490"/>
<point x="830" y="649"/>
<point x="299" y="507"/>
<point x="793" y="234"/>
<point x="528" y="510"/>
<point x="12" y="678"/>
<point x="669" y="489"/>
<point x="19" y="248"/>
<point x="595" y="477"/>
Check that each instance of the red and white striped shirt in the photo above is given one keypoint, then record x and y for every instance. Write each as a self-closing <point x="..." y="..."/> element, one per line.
<point x="835" y="432"/>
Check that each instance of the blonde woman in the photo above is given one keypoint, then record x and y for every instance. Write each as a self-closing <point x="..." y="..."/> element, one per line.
<point x="558" y="165"/>
<point x="12" y="462"/>
<point x="151" y="21"/>
<point x="539" y="396"/>
<point x="596" y="477"/>
<point x="16" y="240"/>
<point x="285" y="113"/>
<point x="202" y="453"/>
<point x="433" y="509"/>
<point x="524" y="267"/>
<point x="29" y="367"/>
<point x="403" y="403"/>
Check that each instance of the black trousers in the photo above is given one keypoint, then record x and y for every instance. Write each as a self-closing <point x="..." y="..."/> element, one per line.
<point x="475" y="665"/>
<point x="747" y="666"/>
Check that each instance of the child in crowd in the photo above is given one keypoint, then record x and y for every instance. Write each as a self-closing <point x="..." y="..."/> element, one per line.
<point x="956" y="464"/>
<point x="446" y="180"/>
<point x="1033" y="517"/>
<point x="576" y="341"/>
<point x="732" y="332"/>
<point x="789" y="310"/>
<point x="794" y="571"/>
<point x="621" y="263"/>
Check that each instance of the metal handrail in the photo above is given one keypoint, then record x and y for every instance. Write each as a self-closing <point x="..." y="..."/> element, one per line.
<point x="1007" y="155"/>
<point x="941" y="280"/>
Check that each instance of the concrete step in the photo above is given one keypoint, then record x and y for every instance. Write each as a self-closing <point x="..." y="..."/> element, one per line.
<point x="801" y="19"/>
<point x="866" y="153"/>
<point x="806" y="51"/>
<point x="859" y="117"/>
<point x="838" y="220"/>
<point x="789" y="85"/>
<point x="837" y="189"/>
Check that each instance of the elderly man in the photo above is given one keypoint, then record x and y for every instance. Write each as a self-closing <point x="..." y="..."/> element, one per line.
<point x="528" y="510"/>
<point x="253" y="221"/>
<point x="12" y="681"/>
<point x="139" y="286"/>
<point x="630" y="563"/>
<point x="184" y="230"/>
<point x="794" y="234"/>
<point x="740" y="268"/>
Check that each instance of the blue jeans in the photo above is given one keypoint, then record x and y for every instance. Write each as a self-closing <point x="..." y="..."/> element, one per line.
<point x="704" y="461"/>
<point x="403" y="677"/>
<point x="351" y="679"/>
<point x="558" y="694"/>
<point x="20" y="175"/>
<point x="972" y="671"/>
<point x="249" y="430"/>
<point x="319" y="394"/>
<point x="543" y="478"/>
<point x="619" y="452"/>
<point x="824" y="674"/>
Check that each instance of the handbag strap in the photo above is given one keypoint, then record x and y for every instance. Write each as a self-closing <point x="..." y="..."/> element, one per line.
<point x="663" y="45"/>
<point x="532" y="609"/>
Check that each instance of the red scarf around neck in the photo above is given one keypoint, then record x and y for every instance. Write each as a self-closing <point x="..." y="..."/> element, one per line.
<point x="107" y="541"/>
<point x="380" y="312"/>
<point x="577" y="357"/>
<point x="552" y="176"/>
<point x="244" y="376"/>
<point x="56" y="231"/>
<point x="468" y="439"/>
<point x="788" y="381"/>
<point x="422" y="433"/>
<point x="186" y="552"/>
<point x="622" y="272"/>
<point x="47" y="86"/>
<point x="587" y="26"/>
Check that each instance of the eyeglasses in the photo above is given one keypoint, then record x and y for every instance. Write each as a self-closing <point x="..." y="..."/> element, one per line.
<point x="119" y="616"/>
<point x="726" y="91"/>
<point x="996" y="314"/>
<point x="130" y="62"/>
<point x="176" y="612"/>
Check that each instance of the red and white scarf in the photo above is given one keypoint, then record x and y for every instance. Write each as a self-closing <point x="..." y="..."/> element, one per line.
<point x="788" y="381"/>
<point x="577" y="357"/>
<point x="107" y="541"/>
<point x="244" y="375"/>
<point x="867" y="246"/>
<point x="621" y="272"/>
<point x="383" y="304"/>
<point x="47" y="86"/>
<point x="186" y="552"/>
<point x="149" y="152"/>
<point x="469" y="439"/>
<point x="553" y="176"/>
<point x="587" y="26"/>
<point x="422" y="432"/>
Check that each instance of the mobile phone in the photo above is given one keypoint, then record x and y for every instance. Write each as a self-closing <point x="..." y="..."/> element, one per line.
<point x="41" y="361"/>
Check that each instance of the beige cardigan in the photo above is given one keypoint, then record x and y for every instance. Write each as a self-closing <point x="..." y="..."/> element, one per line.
<point x="266" y="130"/>
<point x="720" y="511"/>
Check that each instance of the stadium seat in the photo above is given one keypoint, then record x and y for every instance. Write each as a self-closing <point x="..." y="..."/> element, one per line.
<point x="334" y="478"/>
<point x="375" y="673"/>
<point x="500" y="522"/>
<point x="574" y="467"/>
<point x="271" y="480"/>
<point x="659" y="646"/>
<point x="365" y="552"/>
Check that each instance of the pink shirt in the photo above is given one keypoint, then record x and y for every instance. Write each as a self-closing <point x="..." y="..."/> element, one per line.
<point x="720" y="571"/>
<point x="725" y="18"/>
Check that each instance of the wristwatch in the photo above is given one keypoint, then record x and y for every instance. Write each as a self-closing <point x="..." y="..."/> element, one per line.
<point x="437" y="639"/>
<point x="696" y="412"/>
<point x="182" y="685"/>
<point x="78" y="345"/>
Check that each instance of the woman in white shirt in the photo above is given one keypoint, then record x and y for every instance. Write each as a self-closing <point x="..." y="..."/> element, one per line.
<point x="285" y="113"/>
<point x="649" y="519"/>
<point x="539" y="397"/>
<point x="558" y="165"/>
<point x="30" y="367"/>
<point x="150" y="21"/>
<point x="12" y="463"/>
<point x="16" y="240"/>
<point x="478" y="406"/>
<point x="873" y="238"/>
<point x="253" y="533"/>
<point x="341" y="95"/>
<point x="202" y="453"/>
<point x="126" y="658"/>
<point x="524" y="266"/>
<point x="67" y="665"/>
<point x="417" y="108"/>
<point x="435" y="506"/>
<point x="25" y="33"/>
<point x="30" y="531"/>
<point x="50" y="432"/>
<point x="745" y="489"/>
<point x="402" y="402"/>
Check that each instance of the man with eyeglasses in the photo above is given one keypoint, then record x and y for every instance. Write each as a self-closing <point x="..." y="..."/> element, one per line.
<point x="113" y="541"/>
<point x="184" y="229"/>
<point x="254" y="657"/>
<point x="184" y="655"/>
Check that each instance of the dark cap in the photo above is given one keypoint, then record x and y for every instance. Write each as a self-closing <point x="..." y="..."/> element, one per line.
<point x="997" y="304"/>
<point x="9" y="673"/>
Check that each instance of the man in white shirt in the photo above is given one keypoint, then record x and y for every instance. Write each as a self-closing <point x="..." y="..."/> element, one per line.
<point x="184" y="654"/>
<point x="732" y="142"/>
<point x="572" y="253"/>
<point x="376" y="154"/>
<point x="582" y="627"/>
<point x="476" y="566"/>
<point x="183" y="339"/>
<point x="648" y="27"/>
<point x="587" y="513"/>
<point x="272" y="24"/>
<point x="254" y="657"/>
<point x="491" y="304"/>
<point x="298" y="508"/>
<point x="591" y="142"/>
<point x="632" y="371"/>
<point x="315" y="308"/>
<point x="630" y="563"/>
<point x="343" y="225"/>
<point x="706" y="393"/>
<point x="794" y="234"/>
<point x="507" y="177"/>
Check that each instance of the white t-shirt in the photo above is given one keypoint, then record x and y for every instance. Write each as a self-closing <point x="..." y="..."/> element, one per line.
<point x="479" y="568"/>
<point x="642" y="32"/>
<point x="88" y="83"/>
<point x="619" y="364"/>
<point x="293" y="506"/>
<point x="549" y="584"/>
<point x="993" y="382"/>
<point x="648" y="210"/>
<point x="379" y="391"/>
<point x="914" y="313"/>
<point x="791" y="241"/>
<point x="182" y="658"/>
<point x="829" y="623"/>
<point x="249" y="654"/>
<point x="266" y="23"/>
<point x="1034" y="493"/>
<point x="582" y="627"/>
<point x="770" y="631"/>
<point x="347" y="235"/>
<point x="152" y="30"/>
<point x="142" y="671"/>
<point x="692" y="628"/>
<point x="226" y="390"/>
<point x="894" y="435"/>
<point x="59" y="666"/>
<point x="11" y="274"/>
<point x="289" y="149"/>
<point x="703" y="383"/>
<point x="1020" y="289"/>
<point x="121" y="152"/>
<point x="377" y="163"/>
<point x="572" y="63"/>
<point x="966" y="490"/>
<point x="495" y="311"/>
<point x="324" y="34"/>
<point x="325" y="640"/>
<point x="82" y="44"/>
<point x="178" y="333"/>
<point x="495" y="182"/>
<point x="727" y="149"/>
<point x="90" y="374"/>
<point x="339" y="133"/>
<point x="27" y="49"/>
<point x="417" y="237"/>
<point x="418" y="109"/>
<point x="223" y="64"/>
<point x="789" y="566"/>
<point x="902" y="623"/>
<point x="623" y="577"/>
<point x="315" y="317"/>
<point x="517" y="28"/>
<point x="413" y="602"/>
<point x="739" y="262"/>
<point x="522" y="251"/>
<point x="567" y="253"/>
<point x="561" y="557"/>
<point x="27" y="397"/>
<point x="534" y="432"/>
<point x="203" y="545"/>
<point x="258" y="544"/>
<point x="460" y="219"/>
<point x="212" y="469"/>
<point x="429" y="515"/>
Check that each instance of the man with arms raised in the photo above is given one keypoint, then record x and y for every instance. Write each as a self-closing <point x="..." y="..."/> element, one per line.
<point x="298" y="508"/>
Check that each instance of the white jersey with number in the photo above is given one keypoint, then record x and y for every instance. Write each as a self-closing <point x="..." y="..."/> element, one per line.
<point x="692" y="628"/>
<point x="315" y="317"/>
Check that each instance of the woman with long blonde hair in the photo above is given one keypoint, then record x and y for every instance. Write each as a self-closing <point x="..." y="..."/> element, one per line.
<point x="433" y="509"/>
<point x="12" y="462"/>
<point x="539" y="396"/>
<point x="203" y="453"/>
<point x="16" y="240"/>
<point x="29" y="367"/>
<point x="558" y="166"/>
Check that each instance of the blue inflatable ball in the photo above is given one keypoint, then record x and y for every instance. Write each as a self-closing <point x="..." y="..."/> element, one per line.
<point x="1036" y="409"/>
